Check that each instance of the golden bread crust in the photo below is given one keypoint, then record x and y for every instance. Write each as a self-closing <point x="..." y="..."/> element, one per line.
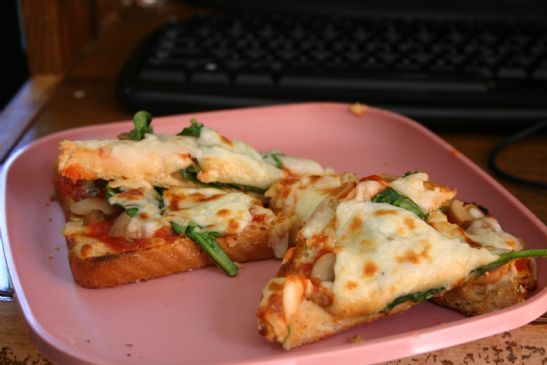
<point x="498" y="289"/>
<point x="164" y="259"/>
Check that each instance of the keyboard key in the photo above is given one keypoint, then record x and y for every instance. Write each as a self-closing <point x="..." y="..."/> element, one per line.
<point x="162" y="75"/>
<point x="379" y="84"/>
<point x="386" y="61"/>
<point x="204" y="77"/>
<point x="512" y="73"/>
<point x="540" y="74"/>
<point x="255" y="79"/>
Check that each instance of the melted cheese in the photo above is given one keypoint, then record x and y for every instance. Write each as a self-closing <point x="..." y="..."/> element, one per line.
<point x="155" y="159"/>
<point x="147" y="201"/>
<point x="236" y="162"/>
<point x="158" y="158"/>
<point x="301" y="197"/>
<point x="487" y="232"/>
<point x="302" y="166"/>
<point x="384" y="252"/>
<point x="213" y="209"/>
<point x="427" y="195"/>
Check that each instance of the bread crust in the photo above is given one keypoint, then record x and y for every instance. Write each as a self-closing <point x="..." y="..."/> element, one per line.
<point x="164" y="259"/>
<point x="498" y="289"/>
<point x="310" y="322"/>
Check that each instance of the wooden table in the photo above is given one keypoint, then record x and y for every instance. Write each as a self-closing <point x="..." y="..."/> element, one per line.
<point x="86" y="96"/>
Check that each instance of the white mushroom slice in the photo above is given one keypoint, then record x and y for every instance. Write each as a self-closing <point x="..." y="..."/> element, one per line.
<point x="474" y="211"/>
<point x="85" y="206"/>
<point x="293" y="293"/>
<point x="323" y="268"/>
<point x="119" y="228"/>
<point x="457" y="213"/>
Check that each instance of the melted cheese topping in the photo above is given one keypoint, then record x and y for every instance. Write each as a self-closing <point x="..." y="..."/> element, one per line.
<point x="147" y="201"/>
<point x="487" y="232"/>
<point x="213" y="209"/>
<point x="236" y="162"/>
<point x="302" y="166"/>
<point x="384" y="252"/>
<point x="155" y="159"/>
<point x="417" y="187"/>
<point x="303" y="196"/>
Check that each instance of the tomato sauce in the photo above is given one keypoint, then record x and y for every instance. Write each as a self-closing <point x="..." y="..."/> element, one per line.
<point x="78" y="190"/>
<point x="100" y="231"/>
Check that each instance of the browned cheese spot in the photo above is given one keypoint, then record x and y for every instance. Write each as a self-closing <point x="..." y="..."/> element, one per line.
<point x="318" y="240"/>
<point x="356" y="224"/>
<point x="226" y="140"/>
<point x="201" y="198"/>
<point x="368" y="244"/>
<point x="174" y="203"/>
<point x="409" y="223"/>
<point x="314" y="178"/>
<point x="133" y="194"/>
<point x="370" y="269"/>
<point x="233" y="225"/>
<point x="511" y="243"/>
<point x="223" y="213"/>
<point x="414" y="257"/>
<point x="382" y="212"/>
<point x="350" y="285"/>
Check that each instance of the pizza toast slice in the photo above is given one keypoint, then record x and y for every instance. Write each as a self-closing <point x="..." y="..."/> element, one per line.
<point x="156" y="205"/>
<point x="506" y="285"/>
<point x="366" y="253"/>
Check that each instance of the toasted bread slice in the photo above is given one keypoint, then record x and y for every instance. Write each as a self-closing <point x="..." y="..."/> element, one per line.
<point x="365" y="252"/>
<point x="505" y="286"/>
<point x="163" y="256"/>
<point x="101" y="256"/>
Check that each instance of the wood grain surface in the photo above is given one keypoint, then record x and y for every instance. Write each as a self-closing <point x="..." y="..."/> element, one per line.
<point x="86" y="96"/>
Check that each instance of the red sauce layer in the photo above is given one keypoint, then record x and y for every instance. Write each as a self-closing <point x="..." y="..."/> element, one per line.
<point x="100" y="232"/>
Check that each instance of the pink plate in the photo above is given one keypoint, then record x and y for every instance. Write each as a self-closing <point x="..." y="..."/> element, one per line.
<point x="204" y="317"/>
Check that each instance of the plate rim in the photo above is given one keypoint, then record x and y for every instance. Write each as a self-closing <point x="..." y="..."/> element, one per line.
<point x="47" y="343"/>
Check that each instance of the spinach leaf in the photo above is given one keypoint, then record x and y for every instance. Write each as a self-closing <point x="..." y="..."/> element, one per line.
<point x="207" y="241"/>
<point x="132" y="211"/>
<point x="193" y="131"/>
<point x="110" y="192"/>
<point x="273" y="158"/>
<point x="142" y="121"/>
<point x="391" y="196"/>
<point x="414" y="297"/>
<point x="508" y="256"/>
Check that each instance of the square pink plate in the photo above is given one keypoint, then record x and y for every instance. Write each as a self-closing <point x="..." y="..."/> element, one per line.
<point x="204" y="317"/>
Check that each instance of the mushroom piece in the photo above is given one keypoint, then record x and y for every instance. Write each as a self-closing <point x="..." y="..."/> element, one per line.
<point x="458" y="214"/>
<point x="127" y="227"/>
<point x="84" y="206"/>
<point x="293" y="293"/>
<point x="323" y="268"/>
<point x="94" y="216"/>
<point x="119" y="227"/>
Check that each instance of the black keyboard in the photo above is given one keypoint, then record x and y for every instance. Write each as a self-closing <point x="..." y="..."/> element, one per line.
<point x="432" y="70"/>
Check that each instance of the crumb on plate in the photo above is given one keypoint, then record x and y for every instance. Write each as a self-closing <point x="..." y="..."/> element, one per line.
<point x="358" y="109"/>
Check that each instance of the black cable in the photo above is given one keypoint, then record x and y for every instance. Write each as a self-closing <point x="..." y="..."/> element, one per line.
<point x="494" y="152"/>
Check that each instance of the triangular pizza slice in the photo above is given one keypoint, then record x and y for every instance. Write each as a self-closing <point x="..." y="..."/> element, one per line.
<point x="373" y="247"/>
